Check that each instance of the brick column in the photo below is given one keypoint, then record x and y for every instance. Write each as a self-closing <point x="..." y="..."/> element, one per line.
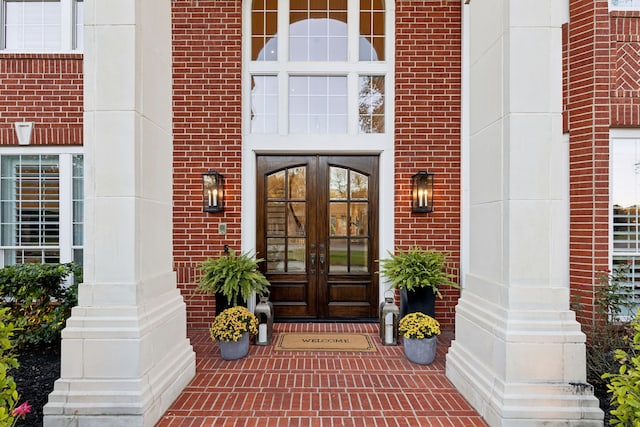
<point x="519" y="354"/>
<point x="125" y="355"/>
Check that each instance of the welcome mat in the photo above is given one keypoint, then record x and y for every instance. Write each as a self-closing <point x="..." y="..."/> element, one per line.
<point x="324" y="341"/>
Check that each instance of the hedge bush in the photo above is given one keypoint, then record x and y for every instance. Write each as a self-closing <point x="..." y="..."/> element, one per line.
<point x="8" y="393"/>
<point x="38" y="300"/>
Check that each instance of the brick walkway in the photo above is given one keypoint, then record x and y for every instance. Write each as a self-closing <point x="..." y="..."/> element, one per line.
<point x="318" y="389"/>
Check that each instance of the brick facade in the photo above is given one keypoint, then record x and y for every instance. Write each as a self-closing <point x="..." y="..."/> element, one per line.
<point x="45" y="89"/>
<point x="601" y="90"/>
<point x="428" y="114"/>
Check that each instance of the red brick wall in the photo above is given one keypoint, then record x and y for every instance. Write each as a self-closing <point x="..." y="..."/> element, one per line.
<point x="588" y="122"/>
<point x="428" y="108"/>
<point x="625" y="69"/>
<point x="207" y="132"/>
<point x="45" y="89"/>
<point x="207" y="46"/>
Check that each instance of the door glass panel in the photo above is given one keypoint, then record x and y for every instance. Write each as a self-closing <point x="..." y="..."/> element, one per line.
<point x="296" y="255"/>
<point x="359" y="253"/>
<point x="338" y="219"/>
<point x="359" y="186"/>
<point x="275" y="185"/>
<point x="348" y="219"/>
<point x="358" y="221"/>
<point x="338" y="256"/>
<point x="286" y="220"/>
<point x="275" y="254"/>
<point x="297" y="183"/>
<point x="296" y="219"/>
<point x="276" y="215"/>
<point x="338" y="184"/>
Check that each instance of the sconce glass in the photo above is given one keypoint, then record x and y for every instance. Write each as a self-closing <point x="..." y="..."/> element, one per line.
<point x="422" y="192"/>
<point x="212" y="192"/>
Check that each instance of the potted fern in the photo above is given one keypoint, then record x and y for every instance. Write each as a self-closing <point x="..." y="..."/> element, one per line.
<point x="418" y="273"/>
<point x="234" y="277"/>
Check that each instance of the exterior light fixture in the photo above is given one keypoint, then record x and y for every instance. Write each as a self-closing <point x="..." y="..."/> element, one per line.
<point x="212" y="192"/>
<point x="389" y="318"/>
<point x="264" y="313"/>
<point x="422" y="192"/>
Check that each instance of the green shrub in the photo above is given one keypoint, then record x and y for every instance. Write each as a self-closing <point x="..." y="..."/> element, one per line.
<point x="625" y="385"/>
<point x="38" y="300"/>
<point x="609" y="332"/>
<point x="8" y="392"/>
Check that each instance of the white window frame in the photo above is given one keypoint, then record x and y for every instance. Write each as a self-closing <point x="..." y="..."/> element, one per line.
<point x="613" y="5"/>
<point x="68" y="29"/>
<point x="352" y="142"/>
<point x="616" y="135"/>
<point x="65" y="160"/>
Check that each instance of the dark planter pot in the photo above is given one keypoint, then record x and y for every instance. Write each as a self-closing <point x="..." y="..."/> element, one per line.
<point x="222" y="303"/>
<point x="421" y="300"/>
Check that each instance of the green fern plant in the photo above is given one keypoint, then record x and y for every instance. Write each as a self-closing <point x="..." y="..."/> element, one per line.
<point x="417" y="268"/>
<point x="233" y="276"/>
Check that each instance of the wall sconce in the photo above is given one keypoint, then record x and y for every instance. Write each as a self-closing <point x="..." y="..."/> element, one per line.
<point x="212" y="192"/>
<point x="422" y="192"/>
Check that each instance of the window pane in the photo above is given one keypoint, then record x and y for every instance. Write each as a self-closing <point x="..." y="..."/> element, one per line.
<point x="78" y="18"/>
<point x="310" y="99"/>
<point x="624" y="4"/>
<point x="264" y="104"/>
<point x="372" y="30"/>
<point x="33" y="25"/>
<point x="78" y="200"/>
<point x="625" y="197"/>
<point x="30" y="208"/>
<point x="318" y="31"/>
<point x="371" y="104"/>
<point x="264" y="28"/>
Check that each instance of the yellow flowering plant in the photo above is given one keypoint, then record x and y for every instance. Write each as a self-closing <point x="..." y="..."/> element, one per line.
<point x="419" y="326"/>
<point x="232" y="323"/>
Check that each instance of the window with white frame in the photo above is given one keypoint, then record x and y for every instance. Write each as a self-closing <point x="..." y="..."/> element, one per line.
<point x="41" y="204"/>
<point x="320" y="64"/>
<point x="625" y="207"/>
<point x="41" y="25"/>
<point x="624" y="4"/>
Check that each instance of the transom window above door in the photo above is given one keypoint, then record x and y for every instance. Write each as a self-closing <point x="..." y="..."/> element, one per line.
<point x="318" y="67"/>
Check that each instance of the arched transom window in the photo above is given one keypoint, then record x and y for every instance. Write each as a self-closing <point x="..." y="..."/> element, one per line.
<point x="318" y="67"/>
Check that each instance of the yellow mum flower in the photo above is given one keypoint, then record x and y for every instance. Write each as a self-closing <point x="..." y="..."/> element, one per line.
<point x="232" y="323"/>
<point x="419" y="326"/>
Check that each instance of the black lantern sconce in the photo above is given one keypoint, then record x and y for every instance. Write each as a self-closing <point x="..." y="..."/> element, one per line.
<point x="212" y="192"/>
<point x="422" y="192"/>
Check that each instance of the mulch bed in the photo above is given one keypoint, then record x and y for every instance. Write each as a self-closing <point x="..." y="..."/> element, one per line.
<point x="39" y="369"/>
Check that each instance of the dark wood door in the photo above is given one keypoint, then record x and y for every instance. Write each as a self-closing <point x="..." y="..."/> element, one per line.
<point x="317" y="227"/>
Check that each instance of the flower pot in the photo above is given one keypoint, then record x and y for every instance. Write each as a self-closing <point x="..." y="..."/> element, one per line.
<point x="232" y="350"/>
<point x="421" y="300"/>
<point x="420" y="351"/>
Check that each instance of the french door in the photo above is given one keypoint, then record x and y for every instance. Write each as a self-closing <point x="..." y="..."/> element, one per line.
<point x="317" y="229"/>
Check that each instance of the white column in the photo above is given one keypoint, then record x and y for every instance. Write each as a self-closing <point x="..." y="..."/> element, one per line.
<point x="519" y="354"/>
<point x="125" y="354"/>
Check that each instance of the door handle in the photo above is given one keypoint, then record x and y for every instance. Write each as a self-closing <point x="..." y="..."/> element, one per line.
<point x="321" y="263"/>
<point x="312" y="263"/>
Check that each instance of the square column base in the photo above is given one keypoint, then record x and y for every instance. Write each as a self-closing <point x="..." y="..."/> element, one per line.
<point x="521" y="368"/>
<point x="121" y="366"/>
